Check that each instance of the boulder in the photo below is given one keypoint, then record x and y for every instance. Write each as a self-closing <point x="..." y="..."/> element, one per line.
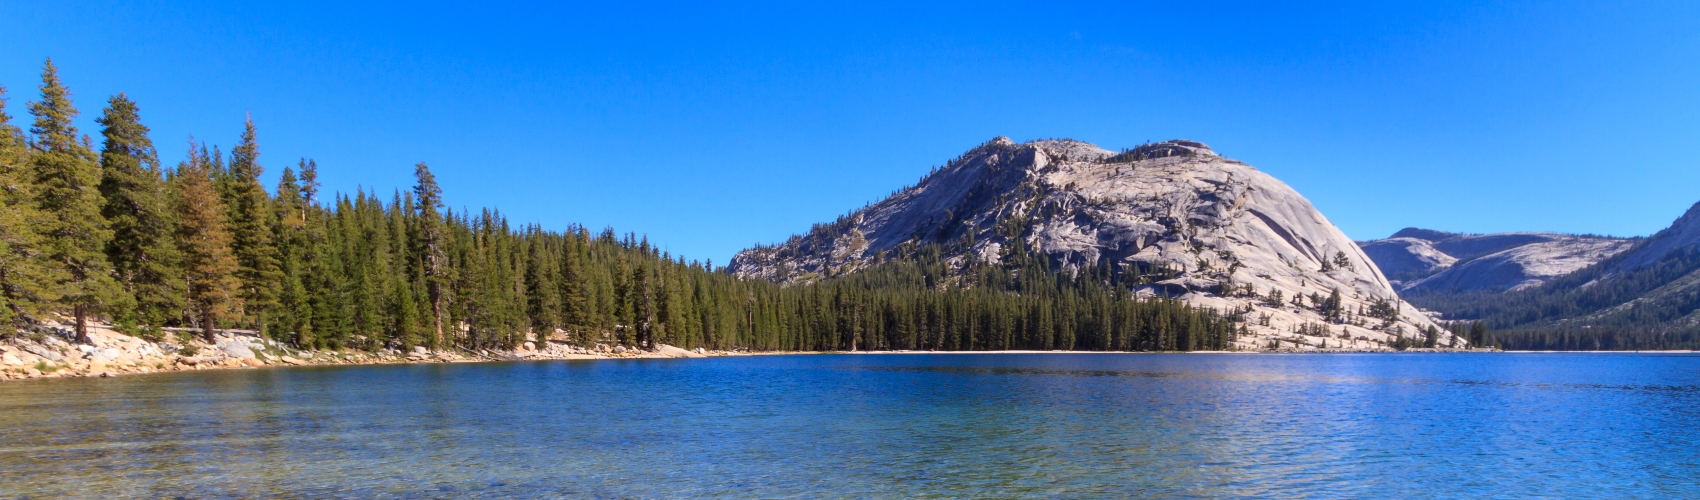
<point x="236" y="350"/>
<point x="675" y="352"/>
<point x="420" y="350"/>
<point x="528" y="346"/>
<point x="47" y="354"/>
<point x="10" y="360"/>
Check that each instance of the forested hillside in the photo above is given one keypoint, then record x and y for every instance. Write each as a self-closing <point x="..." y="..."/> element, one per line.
<point x="1646" y="297"/>
<point x="115" y="236"/>
<point x="1168" y="219"/>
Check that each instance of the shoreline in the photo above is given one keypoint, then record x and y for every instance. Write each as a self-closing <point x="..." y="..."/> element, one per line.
<point x="114" y="354"/>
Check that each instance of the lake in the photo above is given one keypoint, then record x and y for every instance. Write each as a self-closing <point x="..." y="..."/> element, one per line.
<point x="915" y="425"/>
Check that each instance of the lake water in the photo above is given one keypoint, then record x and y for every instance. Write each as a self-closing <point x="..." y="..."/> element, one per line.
<point x="951" y="425"/>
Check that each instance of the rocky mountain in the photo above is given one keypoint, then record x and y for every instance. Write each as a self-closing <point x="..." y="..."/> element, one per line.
<point x="1644" y="297"/>
<point x="1192" y="224"/>
<point x="1427" y="261"/>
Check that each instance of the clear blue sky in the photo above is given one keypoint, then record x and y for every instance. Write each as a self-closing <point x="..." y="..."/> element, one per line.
<point x="711" y="128"/>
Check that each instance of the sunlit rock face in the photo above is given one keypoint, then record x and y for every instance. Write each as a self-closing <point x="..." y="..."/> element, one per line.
<point x="1424" y="261"/>
<point x="1203" y="228"/>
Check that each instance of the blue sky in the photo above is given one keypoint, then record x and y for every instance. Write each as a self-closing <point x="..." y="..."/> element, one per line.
<point x="711" y="128"/>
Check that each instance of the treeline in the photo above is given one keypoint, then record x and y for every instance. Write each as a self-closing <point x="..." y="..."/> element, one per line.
<point x="204" y="245"/>
<point x="922" y="301"/>
<point x="1605" y="306"/>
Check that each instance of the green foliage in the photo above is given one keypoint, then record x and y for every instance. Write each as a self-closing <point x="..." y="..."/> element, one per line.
<point x="209" y="268"/>
<point x="205" y="246"/>
<point x="249" y="209"/>
<point x="137" y="207"/>
<point x="74" y="234"/>
<point x="1605" y="306"/>
<point x="25" y="276"/>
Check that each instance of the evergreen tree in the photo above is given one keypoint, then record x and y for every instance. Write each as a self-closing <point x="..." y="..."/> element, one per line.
<point x="67" y="178"/>
<point x="429" y="240"/>
<point x="209" y="265"/>
<point x="575" y="301"/>
<point x="295" y="302"/>
<point x="1332" y="307"/>
<point x="142" y="252"/>
<point x="24" y="277"/>
<point x="541" y="287"/>
<point x="251" y="231"/>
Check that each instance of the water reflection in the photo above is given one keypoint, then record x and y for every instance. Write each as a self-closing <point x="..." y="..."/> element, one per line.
<point x="849" y="425"/>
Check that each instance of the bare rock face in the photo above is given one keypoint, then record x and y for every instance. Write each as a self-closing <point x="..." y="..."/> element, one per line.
<point x="1424" y="261"/>
<point x="1197" y="226"/>
<point x="1683" y="233"/>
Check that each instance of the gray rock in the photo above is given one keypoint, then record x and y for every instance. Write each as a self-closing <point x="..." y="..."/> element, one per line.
<point x="236" y="350"/>
<point x="1423" y="260"/>
<point x="419" y="349"/>
<point x="1683" y="233"/>
<point x="47" y="354"/>
<point x="1175" y="205"/>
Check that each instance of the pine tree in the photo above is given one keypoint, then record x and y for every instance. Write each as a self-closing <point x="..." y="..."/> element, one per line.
<point x="209" y="266"/>
<point x="541" y="287"/>
<point x="251" y="232"/>
<point x="1332" y="308"/>
<point x="429" y="240"/>
<point x="575" y="299"/>
<point x="24" y="280"/>
<point x="295" y="303"/>
<point x="75" y="234"/>
<point x="141" y="250"/>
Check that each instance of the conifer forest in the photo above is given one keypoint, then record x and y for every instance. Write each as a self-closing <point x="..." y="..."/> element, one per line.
<point x="96" y="229"/>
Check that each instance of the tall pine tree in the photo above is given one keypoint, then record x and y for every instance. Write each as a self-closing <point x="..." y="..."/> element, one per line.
<point x="429" y="240"/>
<point x="251" y="231"/>
<point x="75" y="234"/>
<point x="209" y="266"/>
<point x="142" y="252"/>
<point x="24" y="279"/>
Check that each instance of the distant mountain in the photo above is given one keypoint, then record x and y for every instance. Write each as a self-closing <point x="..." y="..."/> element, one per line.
<point x="1420" y="261"/>
<point x="1644" y="297"/>
<point x="1174" y="218"/>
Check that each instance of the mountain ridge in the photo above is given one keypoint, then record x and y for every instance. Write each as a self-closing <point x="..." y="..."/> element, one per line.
<point x="1421" y="261"/>
<point x="1186" y="221"/>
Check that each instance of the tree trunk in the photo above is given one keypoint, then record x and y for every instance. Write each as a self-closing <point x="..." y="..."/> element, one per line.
<point x="437" y="311"/>
<point x="207" y="328"/>
<point x="82" y="313"/>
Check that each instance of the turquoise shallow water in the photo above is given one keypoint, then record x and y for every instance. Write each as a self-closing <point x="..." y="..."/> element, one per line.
<point x="952" y="425"/>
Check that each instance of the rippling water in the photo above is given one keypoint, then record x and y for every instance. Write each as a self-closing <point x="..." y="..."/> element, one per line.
<point x="1069" y="425"/>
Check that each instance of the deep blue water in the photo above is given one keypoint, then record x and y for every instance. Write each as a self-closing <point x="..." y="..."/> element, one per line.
<point x="950" y="425"/>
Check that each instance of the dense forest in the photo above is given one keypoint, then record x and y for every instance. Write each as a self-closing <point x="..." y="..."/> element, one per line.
<point x="115" y="236"/>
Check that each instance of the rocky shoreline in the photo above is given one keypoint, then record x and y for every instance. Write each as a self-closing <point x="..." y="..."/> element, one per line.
<point x="111" y="353"/>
